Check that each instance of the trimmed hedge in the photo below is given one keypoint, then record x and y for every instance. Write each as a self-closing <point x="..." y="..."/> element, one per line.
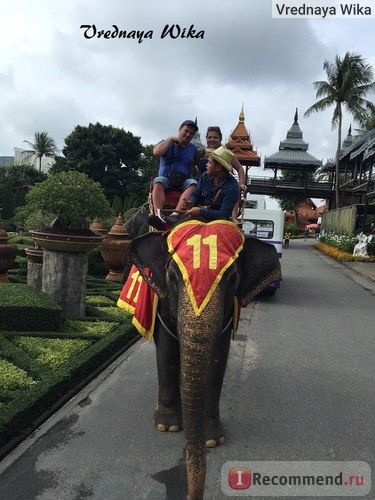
<point x="24" y="308"/>
<point x="39" y="370"/>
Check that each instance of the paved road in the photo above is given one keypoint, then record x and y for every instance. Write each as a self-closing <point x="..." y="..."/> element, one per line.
<point x="299" y="386"/>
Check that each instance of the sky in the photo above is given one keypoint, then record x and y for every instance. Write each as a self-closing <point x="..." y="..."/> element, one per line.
<point x="55" y="75"/>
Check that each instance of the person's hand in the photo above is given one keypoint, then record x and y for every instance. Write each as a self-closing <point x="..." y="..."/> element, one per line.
<point x="186" y="204"/>
<point x="243" y="188"/>
<point x="194" y="211"/>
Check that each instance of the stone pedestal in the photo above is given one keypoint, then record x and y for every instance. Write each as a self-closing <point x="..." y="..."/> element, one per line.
<point x="34" y="274"/>
<point x="64" y="279"/>
<point x="34" y="267"/>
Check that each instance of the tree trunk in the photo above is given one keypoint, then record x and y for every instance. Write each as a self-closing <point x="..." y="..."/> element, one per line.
<point x="337" y="183"/>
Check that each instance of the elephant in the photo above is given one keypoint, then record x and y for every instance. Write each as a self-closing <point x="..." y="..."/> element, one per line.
<point x="192" y="350"/>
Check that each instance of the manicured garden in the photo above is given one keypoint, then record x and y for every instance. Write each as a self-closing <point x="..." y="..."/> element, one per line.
<point x="341" y="248"/>
<point x="45" y="358"/>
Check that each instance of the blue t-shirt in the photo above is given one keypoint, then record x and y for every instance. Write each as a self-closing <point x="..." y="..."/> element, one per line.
<point x="178" y="159"/>
<point x="229" y="194"/>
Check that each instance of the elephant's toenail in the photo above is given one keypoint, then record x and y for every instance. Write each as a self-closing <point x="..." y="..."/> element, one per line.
<point x="161" y="427"/>
<point x="174" y="428"/>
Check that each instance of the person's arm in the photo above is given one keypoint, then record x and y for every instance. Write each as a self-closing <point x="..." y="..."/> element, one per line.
<point x="228" y="198"/>
<point x="161" y="148"/>
<point x="241" y="174"/>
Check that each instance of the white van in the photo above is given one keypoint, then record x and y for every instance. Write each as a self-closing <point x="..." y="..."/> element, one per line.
<point x="268" y="226"/>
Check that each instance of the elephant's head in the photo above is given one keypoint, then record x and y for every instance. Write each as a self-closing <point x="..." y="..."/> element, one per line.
<point x="255" y="268"/>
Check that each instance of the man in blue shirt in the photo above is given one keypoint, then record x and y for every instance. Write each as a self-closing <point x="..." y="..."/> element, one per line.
<point x="217" y="191"/>
<point x="177" y="159"/>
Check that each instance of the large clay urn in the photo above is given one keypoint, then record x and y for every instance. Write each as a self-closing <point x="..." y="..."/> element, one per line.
<point x="8" y="253"/>
<point x="114" y="250"/>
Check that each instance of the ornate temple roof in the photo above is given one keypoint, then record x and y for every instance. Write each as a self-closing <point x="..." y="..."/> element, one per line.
<point x="348" y="141"/>
<point x="240" y="144"/>
<point x="292" y="151"/>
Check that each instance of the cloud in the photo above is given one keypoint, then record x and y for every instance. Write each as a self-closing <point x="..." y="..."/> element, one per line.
<point x="52" y="78"/>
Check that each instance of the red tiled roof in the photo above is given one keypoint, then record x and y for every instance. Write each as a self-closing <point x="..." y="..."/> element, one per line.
<point x="241" y="146"/>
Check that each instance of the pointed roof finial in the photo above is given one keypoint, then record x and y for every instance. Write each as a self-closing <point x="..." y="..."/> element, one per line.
<point x="296" y="117"/>
<point x="242" y="115"/>
<point x="350" y="130"/>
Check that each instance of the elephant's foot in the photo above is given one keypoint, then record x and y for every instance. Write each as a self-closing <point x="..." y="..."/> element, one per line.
<point x="214" y="432"/>
<point x="167" y="418"/>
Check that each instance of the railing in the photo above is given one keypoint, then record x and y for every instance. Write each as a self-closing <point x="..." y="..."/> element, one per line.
<point x="289" y="184"/>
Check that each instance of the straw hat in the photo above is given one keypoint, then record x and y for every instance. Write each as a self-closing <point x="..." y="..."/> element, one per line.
<point x="224" y="157"/>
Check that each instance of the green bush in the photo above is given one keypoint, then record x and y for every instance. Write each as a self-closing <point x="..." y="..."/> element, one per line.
<point x="22" y="307"/>
<point x="72" y="197"/>
<point x="37" y="368"/>
<point x="97" y="266"/>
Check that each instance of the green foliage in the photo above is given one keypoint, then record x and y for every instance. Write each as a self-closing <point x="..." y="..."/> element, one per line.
<point x="22" y="307"/>
<point x="72" y="197"/>
<point x="97" y="328"/>
<point x="38" y="368"/>
<point x="343" y="242"/>
<point x="7" y="201"/>
<point x="25" y="241"/>
<point x="108" y="155"/>
<point x="52" y="353"/>
<point x="292" y="229"/>
<point x="12" y="377"/>
<point x="97" y="265"/>
<point x="15" y="181"/>
<point x="43" y="145"/>
<point x="349" y="80"/>
<point x="8" y="225"/>
<point x="117" y="205"/>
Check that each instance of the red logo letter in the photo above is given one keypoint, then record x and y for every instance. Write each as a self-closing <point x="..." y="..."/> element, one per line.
<point x="239" y="478"/>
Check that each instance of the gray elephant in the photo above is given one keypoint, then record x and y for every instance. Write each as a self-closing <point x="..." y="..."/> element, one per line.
<point x="192" y="350"/>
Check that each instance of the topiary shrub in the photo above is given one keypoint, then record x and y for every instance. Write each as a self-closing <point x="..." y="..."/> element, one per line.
<point x="23" y="308"/>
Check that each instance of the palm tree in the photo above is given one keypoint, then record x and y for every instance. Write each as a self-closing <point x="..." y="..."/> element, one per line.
<point x="369" y="122"/>
<point x="43" y="145"/>
<point x="348" y="81"/>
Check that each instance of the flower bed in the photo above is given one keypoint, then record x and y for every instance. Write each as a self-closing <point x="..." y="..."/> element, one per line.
<point x="341" y="255"/>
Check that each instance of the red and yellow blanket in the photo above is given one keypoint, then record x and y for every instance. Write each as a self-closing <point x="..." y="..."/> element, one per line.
<point x="203" y="252"/>
<point x="140" y="300"/>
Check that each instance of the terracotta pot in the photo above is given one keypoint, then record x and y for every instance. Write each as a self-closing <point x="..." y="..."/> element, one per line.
<point x="97" y="226"/>
<point x="8" y="253"/>
<point x="114" y="250"/>
<point x="67" y="241"/>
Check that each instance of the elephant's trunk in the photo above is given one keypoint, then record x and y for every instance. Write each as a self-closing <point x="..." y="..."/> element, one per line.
<point x="197" y="335"/>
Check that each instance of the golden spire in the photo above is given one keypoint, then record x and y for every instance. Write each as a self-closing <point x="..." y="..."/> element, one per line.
<point x="242" y="115"/>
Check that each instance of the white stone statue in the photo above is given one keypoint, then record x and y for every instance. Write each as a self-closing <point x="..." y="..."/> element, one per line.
<point x="361" y="247"/>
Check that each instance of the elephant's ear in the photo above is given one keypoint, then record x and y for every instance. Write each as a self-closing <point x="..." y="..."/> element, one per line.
<point x="259" y="266"/>
<point x="150" y="250"/>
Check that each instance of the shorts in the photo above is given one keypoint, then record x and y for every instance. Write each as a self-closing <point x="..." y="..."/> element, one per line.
<point x="166" y="183"/>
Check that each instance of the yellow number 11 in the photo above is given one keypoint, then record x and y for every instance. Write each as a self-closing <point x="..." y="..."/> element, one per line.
<point x="211" y="241"/>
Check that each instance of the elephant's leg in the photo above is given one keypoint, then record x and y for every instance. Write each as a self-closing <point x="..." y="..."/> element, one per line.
<point x="213" y="427"/>
<point x="168" y="415"/>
